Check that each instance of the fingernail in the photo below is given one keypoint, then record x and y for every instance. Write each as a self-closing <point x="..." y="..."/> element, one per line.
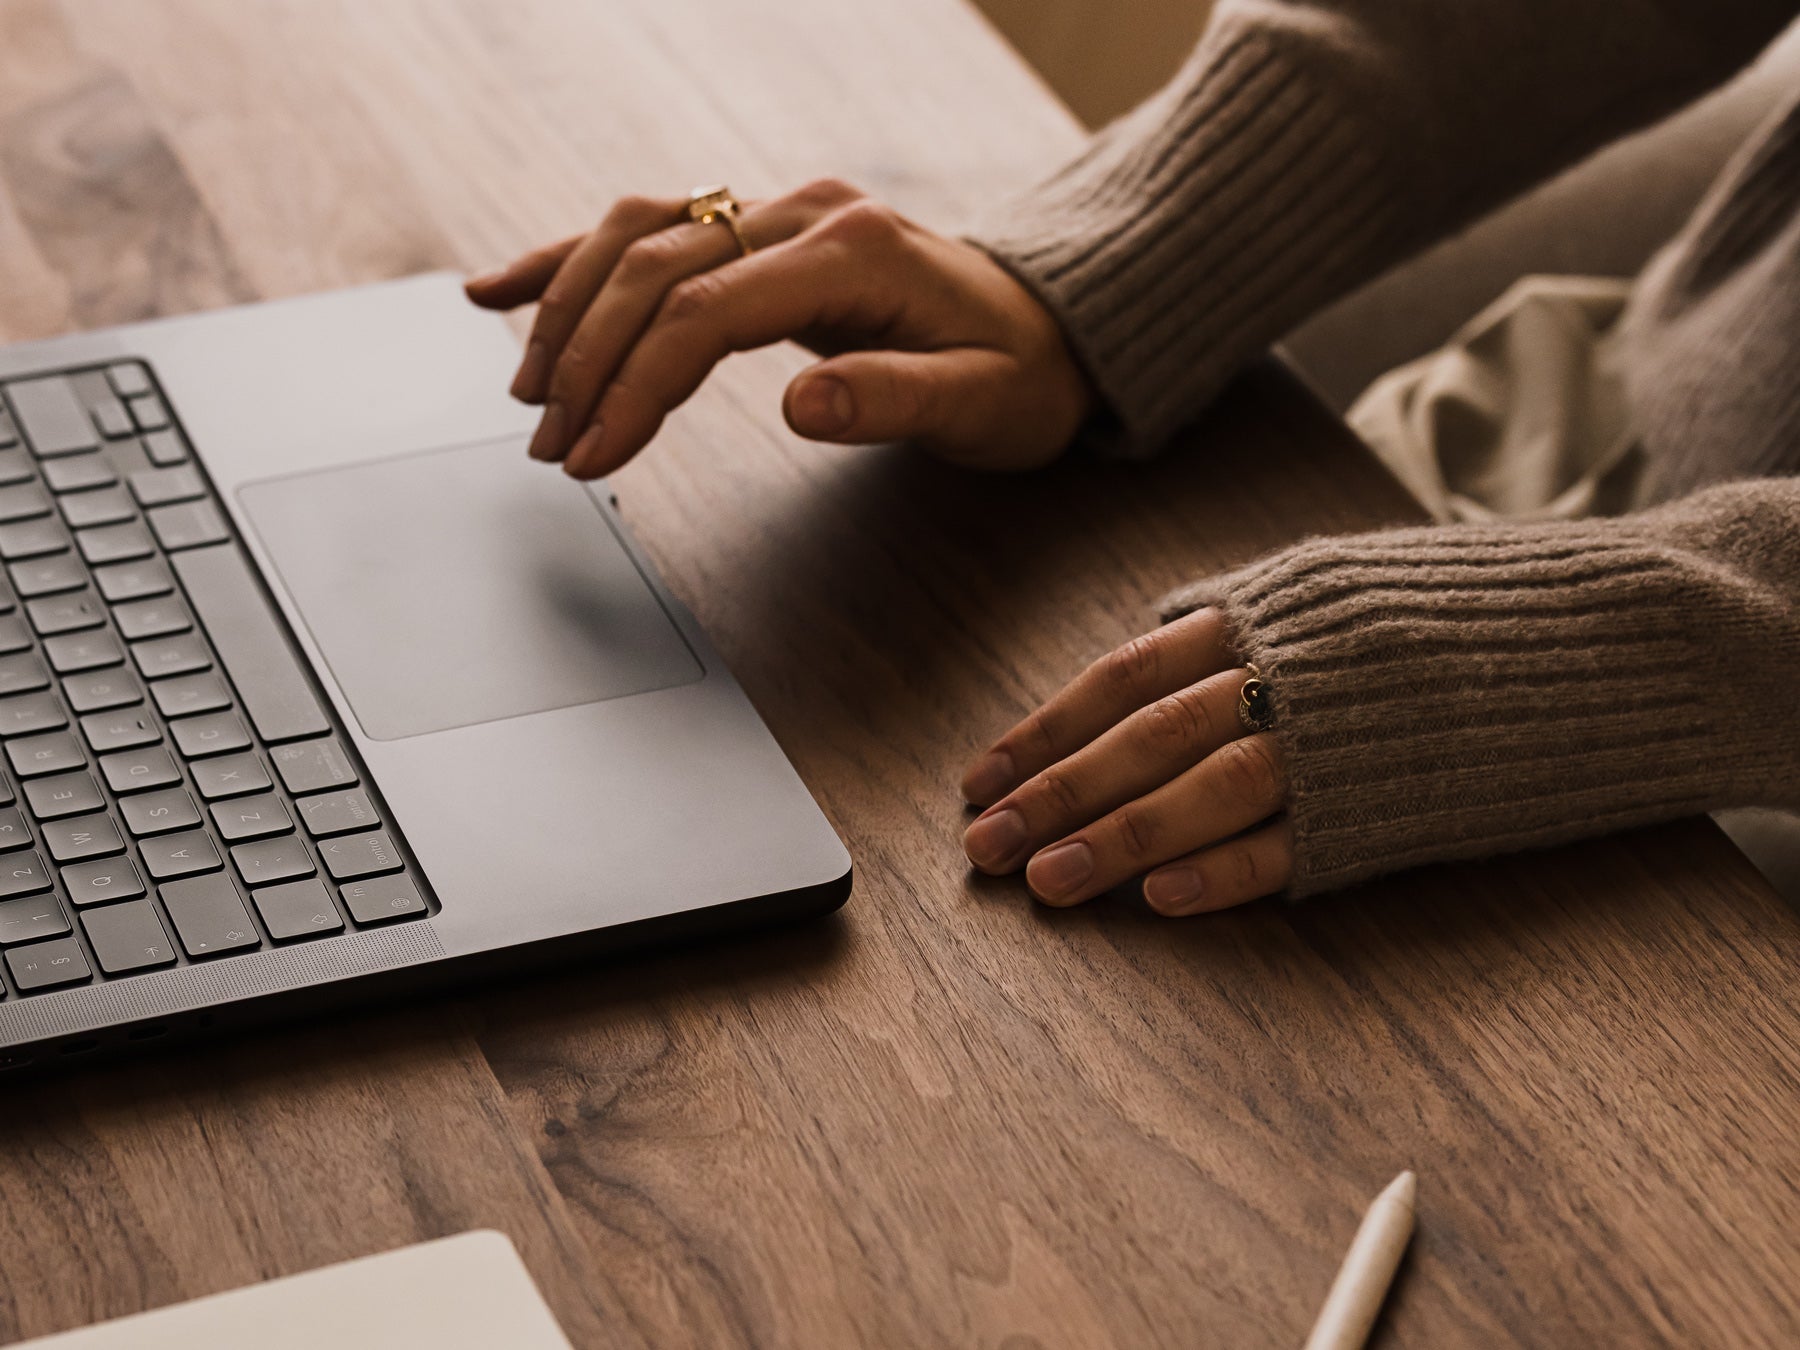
<point x="990" y="778"/>
<point x="1174" y="890"/>
<point x="528" y="384"/>
<point x="547" y="443"/>
<point x="488" y="278"/>
<point x="586" y="451"/>
<point x="823" y="406"/>
<point x="1059" y="872"/>
<point x="992" y="840"/>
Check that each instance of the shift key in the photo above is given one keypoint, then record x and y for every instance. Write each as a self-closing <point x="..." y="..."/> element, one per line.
<point x="251" y="646"/>
<point x="209" y="915"/>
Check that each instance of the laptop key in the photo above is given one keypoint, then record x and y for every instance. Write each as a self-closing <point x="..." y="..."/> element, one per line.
<point x="109" y="543"/>
<point x="51" y="416"/>
<point x="268" y="860"/>
<point x="72" y="652"/>
<point x="359" y="855"/>
<point x="101" y="506"/>
<point x="179" y="855"/>
<point x="79" y="472"/>
<point x="14" y="635"/>
<point x="14" y="832"/>
<point x="21" y="714"/>
<point x="21" y="673"/>
<point x="81" y="837"/>
<point x="188" y="525"/>
<point x="21" y="501"/>
<point x="178" y="655"/>
<point x="383" y="899"/>
<point x="27" y="920"/>
<point x="251" y="646"/>
<point x="136" y="770"/>
<point x="128" y="378"/>
<point x="159" y="487"/>
<point x="30" y="538"/>
<point x="148" y="412"/>
<point x="229" y="776"/>
<point x="165" y="447"/>
<point x="111" y="418"/>
<point x="33" y="756"/>
<point x="134" y="580"/>
<point x="297" y="909"/>
<point x="66" y="794"/>
<point x="252" y="818"/>
<point x="23" y="873"/>
<point x="15" y="460"/>
<point x="152" y="618"/>
<point x="208" y="734"/>
<point x="313" y="766"/>
<point x="98" y="690"/>
<point x="159" y="812"/>
<point x="65" y="613"/>
<point x="103" y="879"/>
<point x="120" y="729"/>
<point x="127" y="937"/>
<point x="47" y="965"/>
<point x="188" y="694"/>
<point x="47" y="575"/>
<point x="337" y="813"/>
<point x="209" y="915"/>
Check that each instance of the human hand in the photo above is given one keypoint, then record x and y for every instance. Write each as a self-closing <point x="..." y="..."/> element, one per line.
<point x="1139" y="767"/>
<point x="925" y="338"/>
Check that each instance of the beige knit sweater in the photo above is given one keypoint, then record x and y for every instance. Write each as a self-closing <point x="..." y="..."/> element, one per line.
<point x="1458" y="691"/>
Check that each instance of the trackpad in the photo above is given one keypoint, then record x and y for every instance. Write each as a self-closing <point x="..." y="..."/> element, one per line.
<point x="464" y="586"/>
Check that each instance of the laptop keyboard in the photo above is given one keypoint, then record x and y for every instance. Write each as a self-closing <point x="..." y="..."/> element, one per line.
<point x="172" y="787"/>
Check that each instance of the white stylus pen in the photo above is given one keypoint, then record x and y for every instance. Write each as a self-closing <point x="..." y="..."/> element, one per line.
<point x="1362" y="1281"/>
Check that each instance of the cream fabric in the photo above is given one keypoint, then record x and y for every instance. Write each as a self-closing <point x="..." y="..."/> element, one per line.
<point x="1522" y="415"/>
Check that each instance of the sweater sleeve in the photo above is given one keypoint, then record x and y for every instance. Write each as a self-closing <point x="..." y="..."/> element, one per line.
<point x="1309" y="144"/>
<point x="1460" y="691"/>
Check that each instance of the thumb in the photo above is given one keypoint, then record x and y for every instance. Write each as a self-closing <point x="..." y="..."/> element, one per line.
<point x="954" y="401"/>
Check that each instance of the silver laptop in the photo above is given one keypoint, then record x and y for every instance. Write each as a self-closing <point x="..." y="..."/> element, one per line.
<point x="312" y="686"/>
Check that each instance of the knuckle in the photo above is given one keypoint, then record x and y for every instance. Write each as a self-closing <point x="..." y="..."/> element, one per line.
<point x="1250" y="770"/>
<point x="1136" y="830"/>
<point x="1059" y="794"/>
<point x="690" y="299"/>
<point x="862" y="223"/>
<point x="1179" y="721"/>
<point x="826" y="193"/>
<point x="1133" y="666"/>
<point x="633" y="213"/>
<point x="648" y="257"/>
<point x="1246" y="873"/>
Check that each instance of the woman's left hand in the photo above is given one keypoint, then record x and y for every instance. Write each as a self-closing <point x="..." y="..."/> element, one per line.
<point x="1139" y="768"/>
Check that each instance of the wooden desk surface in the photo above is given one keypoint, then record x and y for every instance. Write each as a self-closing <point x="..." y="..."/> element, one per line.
<point x="945" y="1116"/>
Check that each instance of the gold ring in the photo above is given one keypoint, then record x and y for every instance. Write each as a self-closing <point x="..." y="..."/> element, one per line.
<point x="1254" y="709"/>
<point x="709" y="204"/>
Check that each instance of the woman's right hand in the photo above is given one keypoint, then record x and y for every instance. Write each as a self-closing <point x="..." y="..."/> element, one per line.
<point x="924" y="338"/>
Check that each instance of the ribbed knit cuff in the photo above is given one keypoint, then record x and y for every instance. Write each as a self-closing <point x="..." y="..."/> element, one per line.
<point x="1462" y="691"/>
<point x="1201" y="228"/>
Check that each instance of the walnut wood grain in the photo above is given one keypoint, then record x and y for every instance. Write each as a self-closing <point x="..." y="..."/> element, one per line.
<point x="945" y="1116"/>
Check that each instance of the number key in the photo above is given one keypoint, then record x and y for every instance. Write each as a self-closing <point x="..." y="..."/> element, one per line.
<point x="25" y="920"/>
<point x="23" y="873"/>
<point x="47" y="965"/>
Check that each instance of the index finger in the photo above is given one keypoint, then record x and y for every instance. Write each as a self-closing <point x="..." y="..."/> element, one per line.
<point x="1145" y="669"/>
